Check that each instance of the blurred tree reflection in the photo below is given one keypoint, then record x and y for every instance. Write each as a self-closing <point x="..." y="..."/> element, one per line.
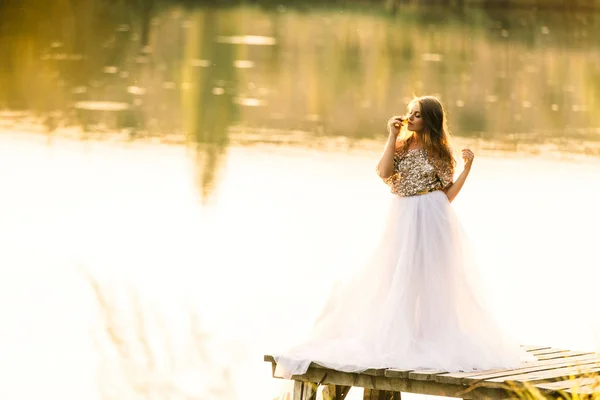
<point x="211" y="82"/>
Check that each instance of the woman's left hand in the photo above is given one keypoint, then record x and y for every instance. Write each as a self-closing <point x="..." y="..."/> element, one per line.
<point x="468" y="157"/>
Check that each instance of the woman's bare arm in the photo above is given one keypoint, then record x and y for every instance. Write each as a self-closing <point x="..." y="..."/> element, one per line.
<point x="385" y="167"/>
<point x="453" y="190"/>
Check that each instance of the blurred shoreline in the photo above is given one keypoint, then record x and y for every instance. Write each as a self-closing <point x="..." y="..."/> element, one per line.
<point x="515" y="146"/>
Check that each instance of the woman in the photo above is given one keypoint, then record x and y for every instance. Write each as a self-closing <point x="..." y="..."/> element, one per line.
<point x="414" y="304"/>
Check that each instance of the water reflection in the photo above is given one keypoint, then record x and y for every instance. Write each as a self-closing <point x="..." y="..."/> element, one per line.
<point x="197" y="73"/>
<point x="210" y="82"/>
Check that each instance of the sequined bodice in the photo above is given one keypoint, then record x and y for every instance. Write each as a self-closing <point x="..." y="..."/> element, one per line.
<point x="415" y="174"/>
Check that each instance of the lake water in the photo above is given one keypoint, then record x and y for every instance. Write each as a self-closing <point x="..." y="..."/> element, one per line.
<point x="222" y="280"/>
<point x="181" y="184"/>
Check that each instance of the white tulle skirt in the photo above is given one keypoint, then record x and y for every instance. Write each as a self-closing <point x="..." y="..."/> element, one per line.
<point x="412" y="306"/>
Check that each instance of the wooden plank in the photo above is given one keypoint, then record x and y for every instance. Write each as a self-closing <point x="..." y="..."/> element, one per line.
<point x="273" y="368"/>
<point x="563" y="354"/>
<point x="534" y="348"/>
<point x="471" y="377"/>
<point x="551" y="375"/>
<point x="374" y="372"/>
<point x="457" y="377"/>
<point x="370" y="371"/>
<point x="542" y="352"/>
<point x="549" y="365"/>
<point x="269" y="358"/>
<point x="425" y="374"/>
<point x="586" y="390"/>
<point x="568" y="384"/>
<point x="397" y="373"/>
<point x="506" y="377"/>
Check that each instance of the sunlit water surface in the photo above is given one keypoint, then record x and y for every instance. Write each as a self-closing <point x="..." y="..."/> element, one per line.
<point x="210" y="286"/>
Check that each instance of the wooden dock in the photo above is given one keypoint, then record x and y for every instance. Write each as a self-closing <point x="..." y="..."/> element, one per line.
<point x="555" y="374"/>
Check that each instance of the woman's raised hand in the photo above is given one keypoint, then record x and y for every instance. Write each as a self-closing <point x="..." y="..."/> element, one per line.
<point x="468" y="157"/>
<point x="395" y="124"/>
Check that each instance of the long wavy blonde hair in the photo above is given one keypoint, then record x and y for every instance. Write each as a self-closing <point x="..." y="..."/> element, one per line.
<point x="435" y="136"/>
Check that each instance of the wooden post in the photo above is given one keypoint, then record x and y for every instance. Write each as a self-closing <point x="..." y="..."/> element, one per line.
<point x="335" y="392"/>
<point x="305" y="390"/>
<point x="298" y="386"/>
<point x="372" y="394"/>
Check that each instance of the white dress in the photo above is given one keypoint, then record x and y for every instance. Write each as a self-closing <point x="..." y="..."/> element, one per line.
<point x="413" y="306"/>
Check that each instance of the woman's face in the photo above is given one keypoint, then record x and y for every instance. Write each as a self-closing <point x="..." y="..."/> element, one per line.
<point x="415" y="120"/>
